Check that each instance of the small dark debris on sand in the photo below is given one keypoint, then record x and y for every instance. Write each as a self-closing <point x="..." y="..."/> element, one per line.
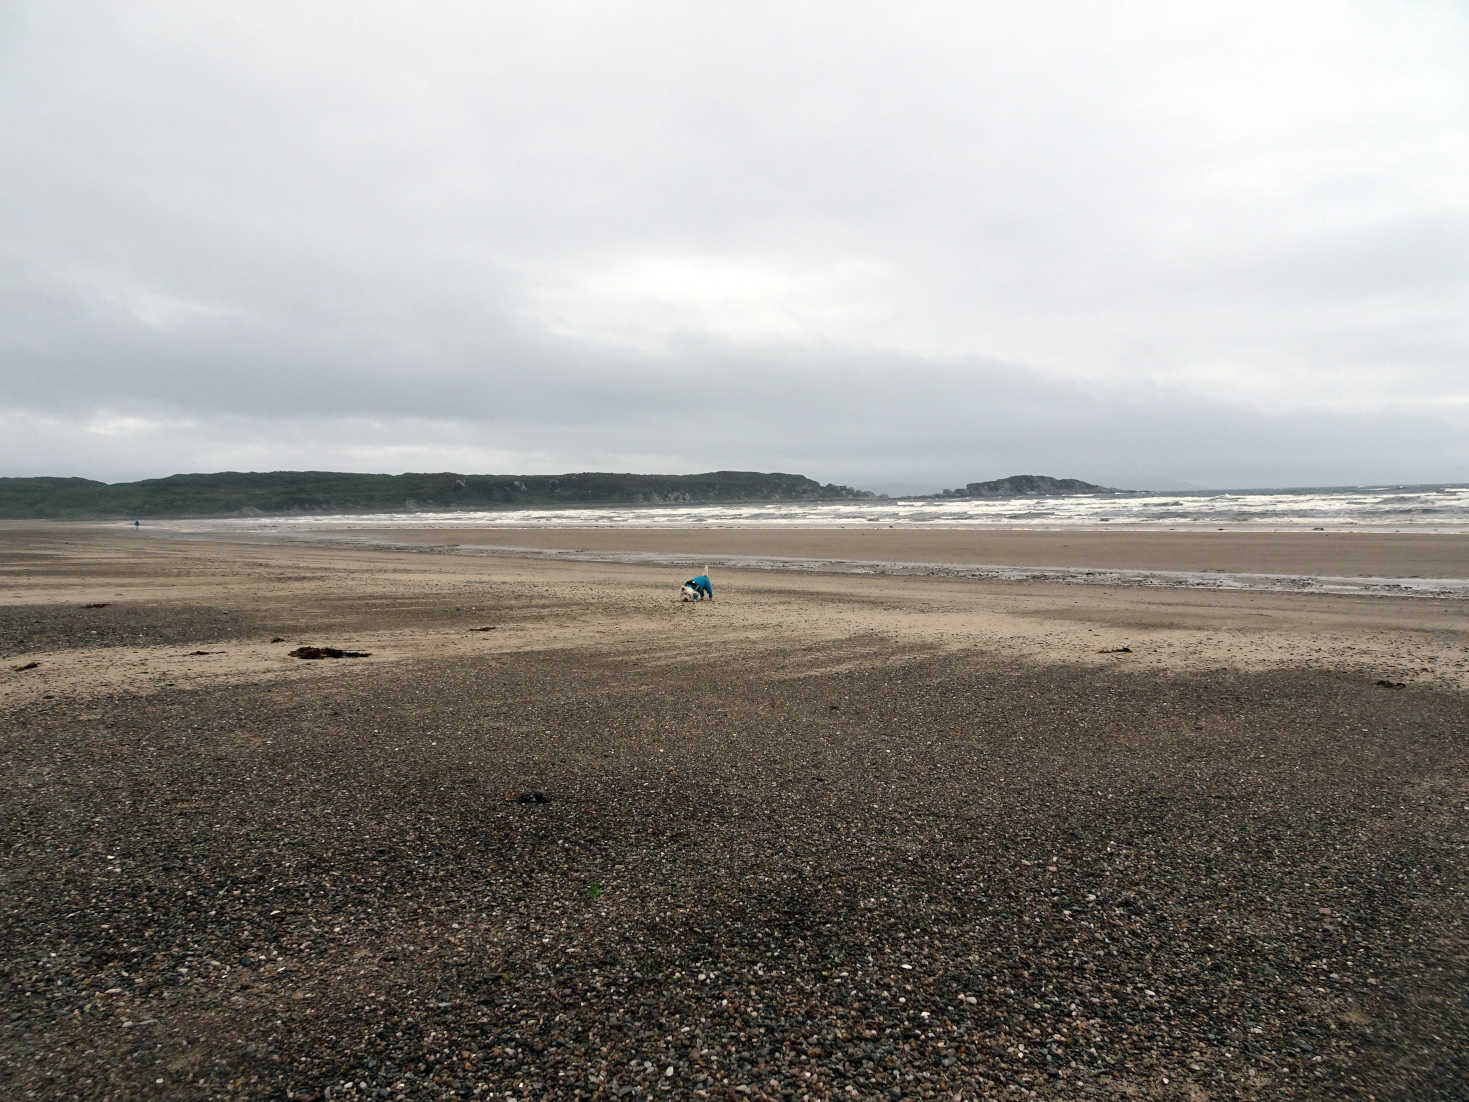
<point x="194" y="653"/>
<point x="1386" y="684"/>
<point x="97" y="604"/>
<point x="482" y="629"/>
<point x="529" y="797"/>
<point x="278" y="639"/>
<point x="328" y="652"/>
<point x="1116" y="650"/>
<point x="27" y="666"/>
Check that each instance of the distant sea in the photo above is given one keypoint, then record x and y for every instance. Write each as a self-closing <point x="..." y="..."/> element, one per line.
<point x="1442" y="507"/>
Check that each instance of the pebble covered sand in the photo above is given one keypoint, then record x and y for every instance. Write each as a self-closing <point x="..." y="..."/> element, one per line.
<point x="763" y="868"/>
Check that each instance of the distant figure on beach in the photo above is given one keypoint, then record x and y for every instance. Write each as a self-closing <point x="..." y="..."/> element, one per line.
<point x="135" y="524"/>
<point x="697" y="588"/>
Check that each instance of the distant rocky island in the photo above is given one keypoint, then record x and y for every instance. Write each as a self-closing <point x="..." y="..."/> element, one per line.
<point x="285" y="492"/>
<point x="1028" y="485"/>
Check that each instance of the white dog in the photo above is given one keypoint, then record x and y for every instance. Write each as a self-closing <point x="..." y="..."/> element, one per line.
<point x="696" y="589"/>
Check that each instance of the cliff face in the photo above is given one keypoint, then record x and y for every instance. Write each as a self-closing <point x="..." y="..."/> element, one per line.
<point x="233" y="492"/>
<point x="1029" y="485"/>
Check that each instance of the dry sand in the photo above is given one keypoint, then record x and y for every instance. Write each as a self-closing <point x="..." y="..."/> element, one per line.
<point x="561" y="835"/>
<point x="395" y="604"/>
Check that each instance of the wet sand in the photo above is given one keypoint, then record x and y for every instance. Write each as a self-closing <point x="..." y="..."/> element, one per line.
<point x="562" y="836"/>
<point x="1371" y="554"/>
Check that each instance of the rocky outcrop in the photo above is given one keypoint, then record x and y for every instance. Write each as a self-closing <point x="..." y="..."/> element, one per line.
<point x="1029" y="485"/>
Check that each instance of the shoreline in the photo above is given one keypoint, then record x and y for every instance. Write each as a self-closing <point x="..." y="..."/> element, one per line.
<point x="1396" y="564"/>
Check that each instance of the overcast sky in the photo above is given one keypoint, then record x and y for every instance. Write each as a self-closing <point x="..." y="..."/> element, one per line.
<point x="900" y="246"/>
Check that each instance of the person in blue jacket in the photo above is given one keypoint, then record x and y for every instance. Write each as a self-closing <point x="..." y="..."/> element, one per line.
<point x="696" y="589"/>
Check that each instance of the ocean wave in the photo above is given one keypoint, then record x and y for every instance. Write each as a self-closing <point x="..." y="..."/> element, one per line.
<point x="1435" y="508"/>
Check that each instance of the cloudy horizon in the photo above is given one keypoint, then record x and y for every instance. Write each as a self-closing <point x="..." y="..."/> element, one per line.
<point x="896" y="249"/>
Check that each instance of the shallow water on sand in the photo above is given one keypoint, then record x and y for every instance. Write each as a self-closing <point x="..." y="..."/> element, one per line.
<point x="1440" y="509"/>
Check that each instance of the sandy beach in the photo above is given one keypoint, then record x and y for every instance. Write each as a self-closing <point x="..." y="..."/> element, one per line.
<point x="559" y="835"/>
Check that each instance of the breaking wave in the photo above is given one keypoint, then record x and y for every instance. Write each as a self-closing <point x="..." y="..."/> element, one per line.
<point x="1425" y="508"/>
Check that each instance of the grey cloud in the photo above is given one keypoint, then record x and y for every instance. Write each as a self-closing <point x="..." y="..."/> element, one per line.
<point x="1143" y="245"/>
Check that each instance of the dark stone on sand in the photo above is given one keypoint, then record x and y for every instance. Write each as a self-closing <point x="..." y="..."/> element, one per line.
<point x="328" y="652"/>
